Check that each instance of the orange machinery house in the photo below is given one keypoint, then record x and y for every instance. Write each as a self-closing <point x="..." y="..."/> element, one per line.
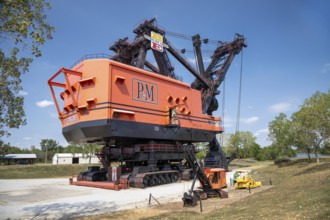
<point x="144" y="119"/>
<point x="106" y="101"/>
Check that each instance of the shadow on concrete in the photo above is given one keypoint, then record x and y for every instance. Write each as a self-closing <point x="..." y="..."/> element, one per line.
<point x="67" y="210"/>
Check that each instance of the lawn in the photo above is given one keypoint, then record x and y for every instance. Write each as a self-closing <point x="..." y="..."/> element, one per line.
<point x="41" y="171"/>
<point x="301" y="190"/>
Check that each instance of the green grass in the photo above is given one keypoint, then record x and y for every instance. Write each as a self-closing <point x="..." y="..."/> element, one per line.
<point x="243" y="163"/>
<point x="41" y="171"/>
<point x="301" y="190"/>
<point x="53" y="171"/>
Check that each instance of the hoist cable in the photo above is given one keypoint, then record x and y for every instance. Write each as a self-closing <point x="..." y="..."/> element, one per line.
<point x="189" y="37"/>
<point x="239" y="95"/>
<point x="196" y="62"/>
<point x="223" y="109"/>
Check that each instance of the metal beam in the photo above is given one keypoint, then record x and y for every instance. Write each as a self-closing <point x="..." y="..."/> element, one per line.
<point x="197" y="45"/>
<point x="185" y="63"/>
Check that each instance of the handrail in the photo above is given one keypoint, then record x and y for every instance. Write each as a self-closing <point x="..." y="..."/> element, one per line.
<point x="92" y="56"/>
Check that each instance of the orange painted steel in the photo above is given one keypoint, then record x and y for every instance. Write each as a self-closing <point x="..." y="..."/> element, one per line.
<point x="217" y="177"/>
<point x="102" y="185"/>
<point x="105" y="89"/>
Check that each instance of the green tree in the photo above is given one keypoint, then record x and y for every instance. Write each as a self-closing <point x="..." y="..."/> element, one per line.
<point x="241" y="143"/>
<point x="22" y="28"/>
<point x="233" y="145"/>
<point x="256" y="152"/>
<point x="39" y="153"/>
<point x="311" y="124"/>
<point x="48" y="144"/>
<point x="202" y="149"/>
<point x="73" y="148"/>
<point x="49" y="147"/>
<point x="326" y="148"/>
<point x="4" y="149"/>
<point x="280" y="132"/>
<point x="270" y="153"/>
<point x="89" y="150"/>
<point x="8" y="149"/>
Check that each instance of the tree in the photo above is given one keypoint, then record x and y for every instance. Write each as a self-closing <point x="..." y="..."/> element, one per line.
<point x="4" y="149"/>
<point x="89" y="150"/>
<point x="202" y="148"/>
<point x="48" y="144"/>
<point x="8" y="149"/>
<point x="22" y="27"/>
<point x="280" y="132"/>
<point x="50" y="147"/>
<point x="302" y="136"/>
<point x="241" y="143"/>
<point x="256" y="152"/>
<point x="73" y="148"/>
<point x="270" y="153"/>
<point x="326" y="148"/>
<point x="311" y="124"/>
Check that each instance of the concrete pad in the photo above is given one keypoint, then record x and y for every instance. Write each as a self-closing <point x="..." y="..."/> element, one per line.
<point x="55" y="198"/>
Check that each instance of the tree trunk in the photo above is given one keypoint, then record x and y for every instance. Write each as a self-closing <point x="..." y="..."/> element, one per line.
<point x="317" y="157"/>
<point x="316" y="150"/>
<point x="309" y="156"/>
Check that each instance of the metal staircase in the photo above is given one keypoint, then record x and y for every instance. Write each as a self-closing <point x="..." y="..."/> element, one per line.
<point x="190" y="199"/>
<point x="197" y="168"/>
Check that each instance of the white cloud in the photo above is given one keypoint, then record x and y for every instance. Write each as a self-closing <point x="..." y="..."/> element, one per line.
<point x="326" y="68"/>
<point x="207" y="59"/>
<point x="261" y="131"/>
<point x="250" y="120"/>
<point x="27" y="138"/>
<point x="280" y="107"/>
<point x="192" y="60"/>
<point x="44" y="103"/>
<point x="53" y="115"/>
<point x="23" y="93"/>
<point x="228" y="122"/>
<point x="227" y="125"/>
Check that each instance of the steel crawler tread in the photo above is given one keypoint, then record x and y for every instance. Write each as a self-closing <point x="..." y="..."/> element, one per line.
<point x="144" y="180"/>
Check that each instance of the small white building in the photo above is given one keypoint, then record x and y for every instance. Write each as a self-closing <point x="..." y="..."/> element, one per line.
<point x="75" y="158"/>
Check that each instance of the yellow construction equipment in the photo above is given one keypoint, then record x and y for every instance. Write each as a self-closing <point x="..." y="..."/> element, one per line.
<point x="246" y="182"/>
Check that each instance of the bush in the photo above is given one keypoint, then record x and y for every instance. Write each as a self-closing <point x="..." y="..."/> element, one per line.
<point x="281" y="160"/>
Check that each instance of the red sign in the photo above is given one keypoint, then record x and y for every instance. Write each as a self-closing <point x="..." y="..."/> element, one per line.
<point x="156" y="41"/>
<point x="156" y="46"/>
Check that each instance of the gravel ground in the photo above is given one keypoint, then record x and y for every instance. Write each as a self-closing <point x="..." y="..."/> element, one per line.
<point x="55" y="198"/>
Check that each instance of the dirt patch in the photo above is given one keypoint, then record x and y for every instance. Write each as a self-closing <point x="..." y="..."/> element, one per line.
<point x="131" y="214"/>
<point x="208" y="206"/>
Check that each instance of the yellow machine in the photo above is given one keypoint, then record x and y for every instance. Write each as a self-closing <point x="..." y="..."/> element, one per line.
<point x="246" y="182"/>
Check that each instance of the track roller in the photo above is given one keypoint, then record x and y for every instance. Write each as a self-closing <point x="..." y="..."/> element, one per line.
<point x="144" y="180"/>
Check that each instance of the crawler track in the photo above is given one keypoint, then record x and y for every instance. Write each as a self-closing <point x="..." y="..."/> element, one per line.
<point x="144" y="180"/>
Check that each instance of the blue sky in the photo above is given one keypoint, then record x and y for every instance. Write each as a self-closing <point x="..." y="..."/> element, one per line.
<point x="287" y="59"/>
